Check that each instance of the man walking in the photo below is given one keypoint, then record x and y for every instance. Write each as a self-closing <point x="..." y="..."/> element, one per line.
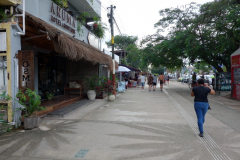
<point x="150" y="82"/>
<point x="142" y="78"/>
<point x="161" y="79"/>
<point x="154" y="82"/>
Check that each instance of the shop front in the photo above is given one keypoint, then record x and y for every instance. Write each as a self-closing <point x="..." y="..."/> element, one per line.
<point x="47" y="57"/>
<point x="235" y="64"/>
<point x="59" y="59"/>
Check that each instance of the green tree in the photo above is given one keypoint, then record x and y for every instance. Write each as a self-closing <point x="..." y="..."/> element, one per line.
<point x="129" y="43"/>
<point x="203" y="66"/>
<point x="157" y="70"/>
<point x="208" y="32"/>
<point x="122" y="41"/>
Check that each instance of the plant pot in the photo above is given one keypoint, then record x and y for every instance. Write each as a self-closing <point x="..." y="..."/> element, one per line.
<point x="111" y="98"/>
<point x="31" y="122"/>
<point x="91" y="94"/>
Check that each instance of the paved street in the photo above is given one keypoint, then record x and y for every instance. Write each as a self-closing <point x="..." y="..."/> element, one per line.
<point x="137" y="125"/>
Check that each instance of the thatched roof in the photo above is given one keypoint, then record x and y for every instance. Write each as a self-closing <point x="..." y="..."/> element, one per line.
<point x="71" y="47"/>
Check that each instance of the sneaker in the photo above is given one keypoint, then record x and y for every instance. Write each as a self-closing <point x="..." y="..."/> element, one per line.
<point x="200" y="134"/>
<point x="149" y="90"/>
<point x="161" y="90"/>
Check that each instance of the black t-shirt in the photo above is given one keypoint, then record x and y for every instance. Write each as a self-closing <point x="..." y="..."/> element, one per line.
<point x="201" y="93"/>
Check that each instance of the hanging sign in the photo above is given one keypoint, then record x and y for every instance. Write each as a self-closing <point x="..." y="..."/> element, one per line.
<point x="26" y="70"/>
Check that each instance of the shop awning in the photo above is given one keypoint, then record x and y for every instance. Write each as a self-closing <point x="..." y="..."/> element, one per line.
<point x="131" y="68"/>
<point x="71" y="47"/>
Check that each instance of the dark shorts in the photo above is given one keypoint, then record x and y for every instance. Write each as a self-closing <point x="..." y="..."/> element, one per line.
<point x="161" y="82"/>
<point x="154" y="84"/>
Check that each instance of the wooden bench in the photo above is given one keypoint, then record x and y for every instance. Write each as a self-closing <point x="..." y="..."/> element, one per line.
<point x="67" y="88"/>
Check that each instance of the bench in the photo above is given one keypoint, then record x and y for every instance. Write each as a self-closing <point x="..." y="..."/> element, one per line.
<point x="68" y="88"/>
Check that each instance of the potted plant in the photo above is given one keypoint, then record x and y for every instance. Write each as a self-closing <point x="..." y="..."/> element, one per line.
<point x="99" y="28"/>
<point x="31" y="120"/>
<point x="108" y="87"/>
<point x="92" y="83"/>
<point x="49" y="96"/>
<point x="4" y="16"/>
<point x="3" y="108"/>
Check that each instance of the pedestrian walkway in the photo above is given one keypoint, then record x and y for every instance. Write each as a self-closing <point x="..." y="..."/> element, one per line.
<point x="137" y="125"/>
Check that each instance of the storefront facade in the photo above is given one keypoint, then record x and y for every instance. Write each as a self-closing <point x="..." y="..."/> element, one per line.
<point x="52" y="51"/>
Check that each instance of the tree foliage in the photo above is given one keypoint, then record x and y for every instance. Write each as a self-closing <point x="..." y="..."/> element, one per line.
<point x="208" y="32"/>
<point x="129" y="44"/>
<point x="122" y="41"/>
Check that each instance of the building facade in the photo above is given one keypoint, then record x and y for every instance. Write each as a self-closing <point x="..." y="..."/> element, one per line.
<point x="46" y="45"/>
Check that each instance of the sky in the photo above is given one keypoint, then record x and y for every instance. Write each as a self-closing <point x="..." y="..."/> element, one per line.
<point x="137" y="17"/>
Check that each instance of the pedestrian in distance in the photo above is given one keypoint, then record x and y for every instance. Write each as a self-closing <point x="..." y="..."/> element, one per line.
<point x="150" y="82"/>
<point x="161" y="78"/>
<point x="167" y="79"/>
<point x="126" y="81"/>
<point x="201" y="102"/>
<point x="143" y="79"/>
<point x="154" y="82"/>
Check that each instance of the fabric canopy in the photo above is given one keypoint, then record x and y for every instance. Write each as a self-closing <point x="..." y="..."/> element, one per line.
<point x="131" y="68"/>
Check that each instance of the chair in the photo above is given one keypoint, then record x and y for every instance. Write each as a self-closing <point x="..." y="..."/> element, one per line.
<point x="67" y="88"/>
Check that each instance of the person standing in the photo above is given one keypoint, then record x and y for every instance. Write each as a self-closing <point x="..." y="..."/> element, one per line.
<point x="167" y="79"/>
<point x="126" y="81"/>
<point x="213" y="81"/>
<point x="161" y="79"/>
<point x="154" y="82"/>
<point x="194" y="77"/>
<point x="143" y="79"/>
<point x="150" y="82"/>
<point x="201" y="102"/>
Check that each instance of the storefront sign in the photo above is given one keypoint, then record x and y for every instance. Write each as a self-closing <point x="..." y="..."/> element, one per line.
<point x="62" y="18"/>
<point x="223" y="81"/>
<point x="236" y="93"/>
<point x="26" y="70"/>
<point x="236" y="61"/>
<point x="121" y="86"/>
<point x="236" y="76"/>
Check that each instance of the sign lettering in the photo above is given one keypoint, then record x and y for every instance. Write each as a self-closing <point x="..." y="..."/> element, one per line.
<point x="62" y="18"/>
<point x="26" y="70"/>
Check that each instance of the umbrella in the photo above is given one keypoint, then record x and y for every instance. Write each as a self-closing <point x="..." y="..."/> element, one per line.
<point x="123" y="69"/>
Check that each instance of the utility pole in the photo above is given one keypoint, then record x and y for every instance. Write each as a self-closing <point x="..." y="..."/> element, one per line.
<point x="112" y="41"/>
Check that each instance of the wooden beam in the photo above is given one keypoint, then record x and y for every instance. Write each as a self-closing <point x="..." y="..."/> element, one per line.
<point x="40" y="36"/>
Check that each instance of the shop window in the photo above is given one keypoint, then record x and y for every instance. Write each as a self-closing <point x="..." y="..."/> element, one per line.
<point x="51" y="75"/>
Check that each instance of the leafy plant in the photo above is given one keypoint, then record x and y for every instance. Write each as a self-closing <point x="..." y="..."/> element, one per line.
<point x="4" y="16"/>
<point x="34" y="101"/>
<point x="81" y="20"/>
<point x="2" y="107"/>
<point x="106" y="85"/>
<point x="91" y="82"/>
<point x="61" y="3"/>
<point x="99" y="28"/>
<point x="49" y="95"/>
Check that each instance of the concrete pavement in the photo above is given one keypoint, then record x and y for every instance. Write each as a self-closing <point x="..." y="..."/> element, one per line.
<point x="138" y="125"/>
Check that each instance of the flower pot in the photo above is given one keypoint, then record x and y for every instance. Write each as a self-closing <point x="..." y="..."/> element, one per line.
<point x="31" y="122"/>
<point x="111" y="98"/>
<point x="91" y="94"/>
